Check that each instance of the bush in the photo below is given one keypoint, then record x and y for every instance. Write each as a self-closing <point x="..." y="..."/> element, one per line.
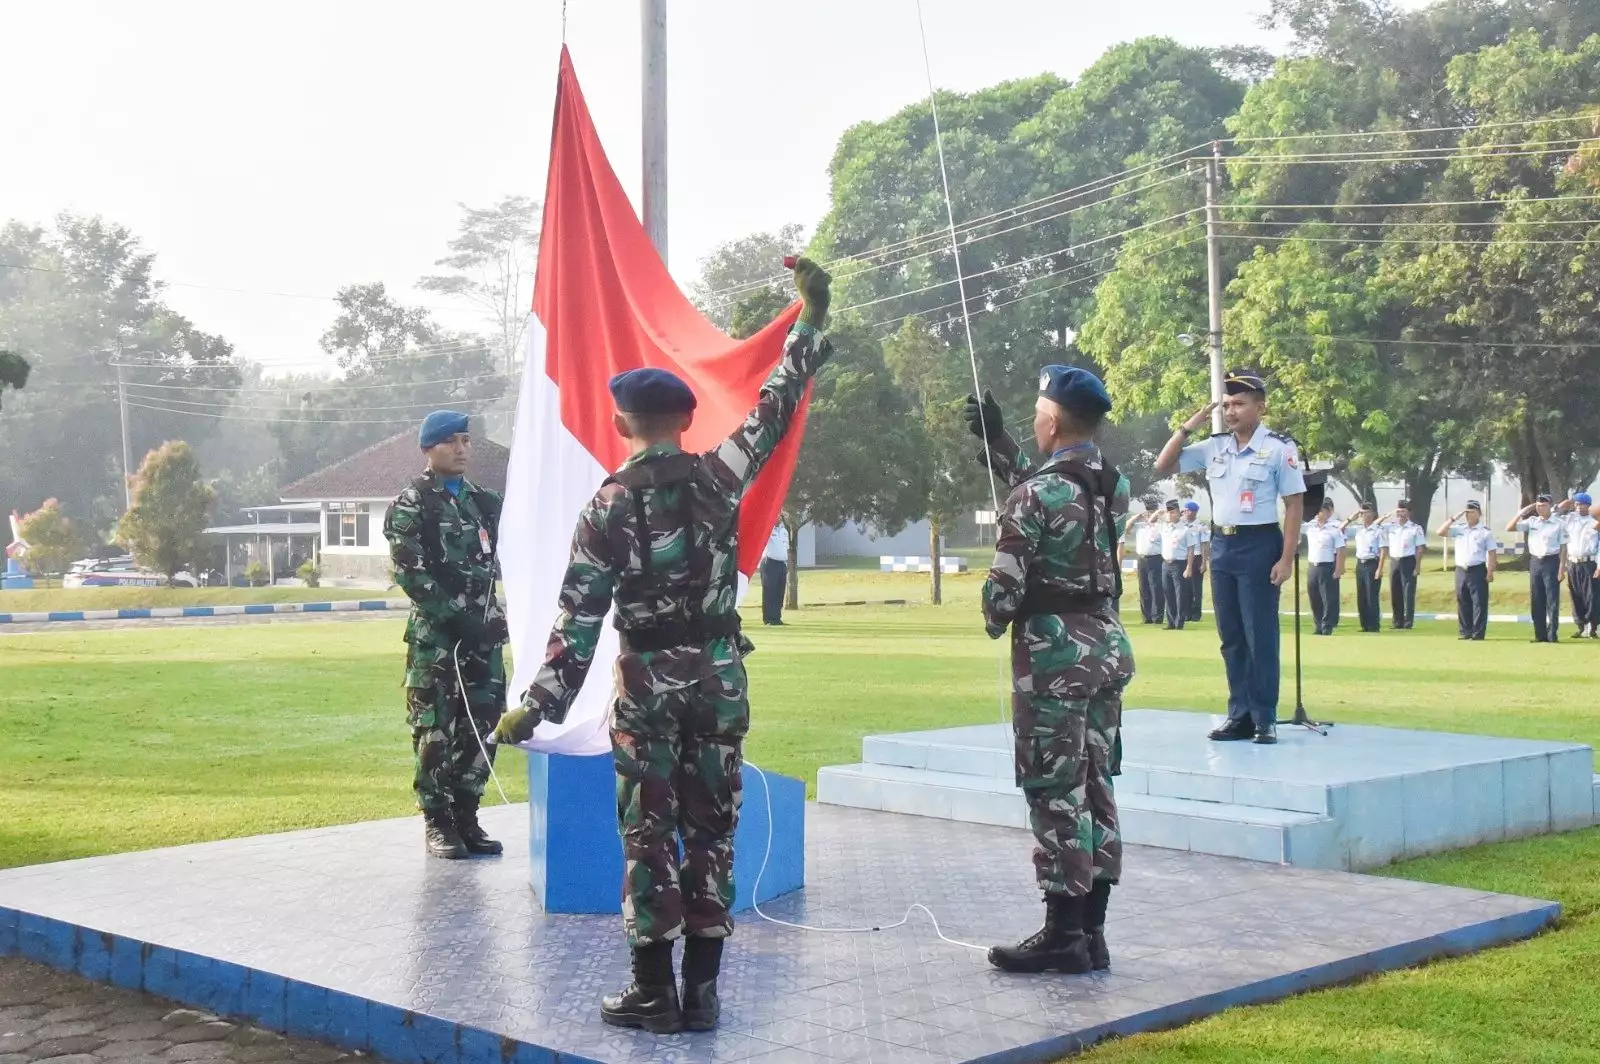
<point x="256" y="574"/>
<point x="309" y="573"/>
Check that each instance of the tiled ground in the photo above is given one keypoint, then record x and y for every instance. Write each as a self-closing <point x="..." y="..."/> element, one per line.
<point x="360" y="911"/>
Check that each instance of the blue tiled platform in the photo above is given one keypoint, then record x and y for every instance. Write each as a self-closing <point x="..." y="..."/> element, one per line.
<point x="1358" y="797"/>
<point x="351" y="934"/>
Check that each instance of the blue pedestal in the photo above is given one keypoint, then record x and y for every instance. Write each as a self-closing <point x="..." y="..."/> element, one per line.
<point x="15" y="579"/>
<point x="575" y="855"/>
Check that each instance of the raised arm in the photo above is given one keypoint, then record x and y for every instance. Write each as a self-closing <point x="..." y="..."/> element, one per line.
<point x="1170" y="460"/>
<point x="1000" y="453"/>
<point x="737" y="460"/>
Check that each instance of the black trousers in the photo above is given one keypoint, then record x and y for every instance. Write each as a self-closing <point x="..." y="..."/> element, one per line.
<point x="1544" y="591"/>
<point x="1369" y="587"/>
<point x="1580" y="585"/>
<point x="1472" y="600"/>
<point x="1151" y="596"/>
<point x="1324" y="591"/>
<point x="1175" y="592"/>
<point x="774" y="585"/>
<point x="1403" y="591"/>
<point x="1197" y="592"/>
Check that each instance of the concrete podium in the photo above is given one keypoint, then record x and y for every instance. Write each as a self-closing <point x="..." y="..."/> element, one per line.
<point x="575" y="854"/>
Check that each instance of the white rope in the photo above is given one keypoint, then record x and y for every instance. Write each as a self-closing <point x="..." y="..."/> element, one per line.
<point x="915" y="906"/>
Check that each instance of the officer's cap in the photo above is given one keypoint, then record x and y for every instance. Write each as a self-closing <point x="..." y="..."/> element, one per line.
<point x="1582" y="498"/>
<point x="1327" y="505"/>
<point x="1192" y="506"/>
<point x="1403" y="504"/>
<point x="1369" y="508"/>
<point x="1149" y="504"/>
<point x="651" y="391"/>
<point x="1075" y="389"/>
<point x="1240" y="381"/>
<point x="1543" y="496"/>
<point x="1473" y="504"/>
<point x="1172" y="504"/>
<point x="440" y="426"/>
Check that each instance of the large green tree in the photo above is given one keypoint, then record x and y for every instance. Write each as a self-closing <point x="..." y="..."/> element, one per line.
<point x="163" y="528"/>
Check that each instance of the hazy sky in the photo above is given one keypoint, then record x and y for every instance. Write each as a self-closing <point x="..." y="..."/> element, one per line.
<point x="286" y="149"/>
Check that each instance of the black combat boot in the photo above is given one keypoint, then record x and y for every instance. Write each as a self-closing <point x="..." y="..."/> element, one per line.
<point x="1094" y="924"/>
<point x="650" y="1002"/>
<point x="471" y="832"/>
<point x="702" y="960"/>
<point x="439" y="835"/>
<point x="1059" y="945"/>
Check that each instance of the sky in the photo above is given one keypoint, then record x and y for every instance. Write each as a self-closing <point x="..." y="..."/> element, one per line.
<point x="269" y="154"/>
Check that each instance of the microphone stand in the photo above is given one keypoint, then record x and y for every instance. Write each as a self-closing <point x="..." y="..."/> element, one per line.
<point x="1311" y="503"/>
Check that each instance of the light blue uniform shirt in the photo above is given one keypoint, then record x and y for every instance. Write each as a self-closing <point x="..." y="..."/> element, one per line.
<point x="1177" y="540"/>
<point x="1545" y="534"/>
<point x="1581" y="537"/>
<point x="1473" y="544"/>
<point x="1247" y="483"/>
<point x="1369" y="541"/>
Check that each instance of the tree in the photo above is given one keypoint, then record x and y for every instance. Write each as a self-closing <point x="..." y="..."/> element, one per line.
<point x="945" y="471"/>
<point x="80" y="298"/>
<point x="492" y="260"/>
<point x="163" y="529"/>
<point x="13" y="372"/>
<point x="741" y="269"/>
<point x="53" y="544"/>
<point x="397" y="364"/>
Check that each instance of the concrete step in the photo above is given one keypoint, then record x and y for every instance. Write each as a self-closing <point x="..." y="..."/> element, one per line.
<point x="985" y="751"/>
<point x="1227" y="829"/>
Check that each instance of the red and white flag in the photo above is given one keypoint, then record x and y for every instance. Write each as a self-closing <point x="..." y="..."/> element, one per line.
<point x="603" y="303"/>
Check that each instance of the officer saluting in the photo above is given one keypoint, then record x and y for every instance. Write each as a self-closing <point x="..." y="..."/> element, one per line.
<point x="1547" y="538"/>
<point x="1147" y="544"/>
<point x="1178" y="544"/>
<point x="1581" y="550"/>
<point x="1476" y="550"/>
<point x="1404" y="545"/>
<point x="1248" y="469"/>
<point x="1325" y="553"/>
<point x="1202" y="546"/>
<point x="1369" y="564"/>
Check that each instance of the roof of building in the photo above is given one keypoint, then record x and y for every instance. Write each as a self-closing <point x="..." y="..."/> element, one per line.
<point x="311" y="528"/>
<point x="383" y="470"/>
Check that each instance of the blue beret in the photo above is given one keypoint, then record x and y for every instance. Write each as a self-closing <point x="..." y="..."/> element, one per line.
<point x="1582" y="498"/>
<point x="440" y="426"/>
<point x="1192" y="506"/>
<point x="651" y="391"/>
<point x="1074" y="388"/>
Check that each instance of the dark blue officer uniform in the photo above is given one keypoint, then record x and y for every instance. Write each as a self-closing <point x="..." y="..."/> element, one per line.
<point x="1245" y="483"/>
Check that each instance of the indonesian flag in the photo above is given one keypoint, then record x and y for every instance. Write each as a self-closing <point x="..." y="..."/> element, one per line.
<point x="603" y="303"/>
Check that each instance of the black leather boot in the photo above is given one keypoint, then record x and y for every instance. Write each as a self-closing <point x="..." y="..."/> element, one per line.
<point x="1233" y="731"/>
<point x="1094" y="924"/>
<point x="702" y="961"/>
<point x="471" y="832"/>
<point x="1059" y="945"/>
<point x="650" y="1002"/>
<point x="439" y="835"/>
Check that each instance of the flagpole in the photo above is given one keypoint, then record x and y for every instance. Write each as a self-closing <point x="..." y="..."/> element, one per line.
<point x="654" y="84"/>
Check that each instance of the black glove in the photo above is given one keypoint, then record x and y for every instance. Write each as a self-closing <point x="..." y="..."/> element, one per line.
<point x="984" y="419"/>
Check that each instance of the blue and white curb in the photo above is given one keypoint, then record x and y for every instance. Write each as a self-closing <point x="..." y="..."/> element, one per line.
<point x="238" y="610"/>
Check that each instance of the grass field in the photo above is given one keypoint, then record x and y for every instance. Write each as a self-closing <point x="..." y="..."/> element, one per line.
<point x="44" y="599"/>
<point x="114" y="740"/>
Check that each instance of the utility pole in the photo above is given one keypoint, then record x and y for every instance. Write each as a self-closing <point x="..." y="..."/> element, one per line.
<point x="654" y="84"/>
<point x="1214" y="276"/>
<point x="122" y="408"/>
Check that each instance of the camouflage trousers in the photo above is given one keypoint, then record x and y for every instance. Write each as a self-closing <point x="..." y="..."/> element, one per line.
<point x="450" y="764"/>
<point x="1066" y="752"/>
<point x="679" y="758"/>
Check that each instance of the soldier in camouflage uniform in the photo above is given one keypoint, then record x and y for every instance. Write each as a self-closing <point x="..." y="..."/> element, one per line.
<point x="658" y="542"/>
<point x="442" y="533"/>
<point x="1054" y="583"/>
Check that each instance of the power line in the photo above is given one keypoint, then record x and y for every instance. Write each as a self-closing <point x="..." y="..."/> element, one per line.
<point x="1345" y="338"/>
<point x="282" y="420"/>
<point x="1504" y="202"/>
<point x="331" y="409"/>
<point x="1441" y="241"/>
<point x="1407" y="132"/>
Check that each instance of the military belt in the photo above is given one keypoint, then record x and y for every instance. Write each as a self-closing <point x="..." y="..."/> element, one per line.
<point x="1038" y="602"/>
<point x="1239" y="530"/>
<point x="697" y="632"/>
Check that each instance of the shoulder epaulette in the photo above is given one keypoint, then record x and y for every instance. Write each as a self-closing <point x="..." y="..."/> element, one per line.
<point x="1280" y="437"/>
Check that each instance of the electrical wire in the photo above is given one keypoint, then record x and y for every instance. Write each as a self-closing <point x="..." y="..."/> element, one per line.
<point x="276" y="420"/>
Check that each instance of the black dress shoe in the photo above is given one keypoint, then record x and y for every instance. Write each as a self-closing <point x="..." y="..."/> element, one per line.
<point x="1232" y="731"/>
<point x="1266" y="735"/>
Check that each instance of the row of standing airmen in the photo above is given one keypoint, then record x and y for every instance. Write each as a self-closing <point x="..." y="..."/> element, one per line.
<point x="1563" y="543"/>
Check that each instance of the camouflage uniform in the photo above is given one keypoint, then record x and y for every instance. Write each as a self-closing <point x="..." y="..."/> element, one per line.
<point x="1068" y="668"/>
<point x="682" y="707"/>
<point x="442" y="546"/>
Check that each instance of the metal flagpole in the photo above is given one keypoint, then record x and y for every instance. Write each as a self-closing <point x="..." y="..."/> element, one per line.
<point x="654" y="85"/>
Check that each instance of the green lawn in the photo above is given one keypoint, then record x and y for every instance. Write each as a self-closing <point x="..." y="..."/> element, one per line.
<point x="41" y="600"/>
<point x="114" y="740"/>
